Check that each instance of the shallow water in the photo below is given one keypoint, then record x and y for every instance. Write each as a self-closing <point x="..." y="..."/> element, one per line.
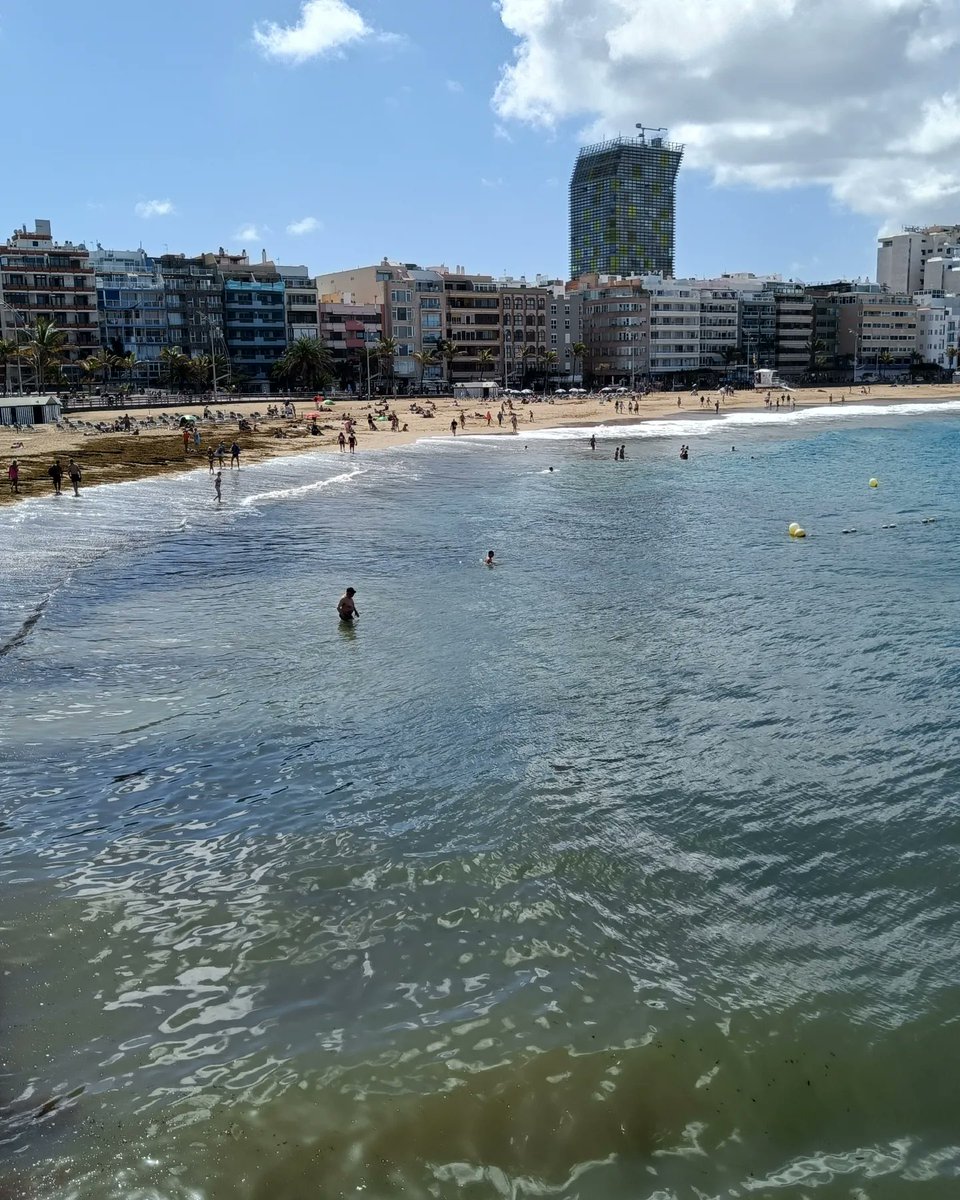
<point x="625" y="870"/>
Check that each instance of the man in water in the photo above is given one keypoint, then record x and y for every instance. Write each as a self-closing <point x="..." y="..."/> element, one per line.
<point x="346" y="608"/>
<point x="56" y="474"/>
<point x="593" y="441"/>
<point x="488" y="561"/>
<point x="73" y="471"/>
<point x="217" y="484"/>
<point x="235" y="455"/>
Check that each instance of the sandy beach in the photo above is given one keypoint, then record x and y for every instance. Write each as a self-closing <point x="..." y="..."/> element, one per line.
<point x="112" y="457"/>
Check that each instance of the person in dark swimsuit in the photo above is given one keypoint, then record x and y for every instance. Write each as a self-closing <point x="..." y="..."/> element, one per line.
<point x="346" y="608"/>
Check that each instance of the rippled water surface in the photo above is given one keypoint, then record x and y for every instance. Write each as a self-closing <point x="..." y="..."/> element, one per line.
<point x="626" y="871"/>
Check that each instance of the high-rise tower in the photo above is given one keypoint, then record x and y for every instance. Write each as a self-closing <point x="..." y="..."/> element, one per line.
<point x="622" y="206"/>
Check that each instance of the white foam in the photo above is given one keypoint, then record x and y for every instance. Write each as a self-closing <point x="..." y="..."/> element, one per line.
<point x="707" y="424"/>
<point x="300" y="490"/>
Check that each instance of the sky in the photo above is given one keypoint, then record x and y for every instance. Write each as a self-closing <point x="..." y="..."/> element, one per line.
<point x="336" y="132"/>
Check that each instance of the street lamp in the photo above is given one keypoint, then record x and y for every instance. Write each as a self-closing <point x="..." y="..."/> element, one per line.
<point x="16" y="330"/>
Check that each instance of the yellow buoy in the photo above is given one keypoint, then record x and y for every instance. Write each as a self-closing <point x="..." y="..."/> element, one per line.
<point x="800" y="533"/>
<point x="793" y="527"/>
<point x="874" y="483"/>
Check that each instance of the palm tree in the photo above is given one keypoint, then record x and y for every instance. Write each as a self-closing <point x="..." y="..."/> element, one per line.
<point x="9" y="353"/>
<point x="550" y="360"/>
<point x="178" y="369"/>
<point x="45" y="348"/>
<point x="424" y="359"/>
<point x="386" y="352"/>
<point x="102" y="361"/>
<point x="449" y="351"/>
<point x="529" y="351"/>
<point x="579" y="351"/>
<point x="815" y="349"/>
<point x="127" y="363"/>
<point x="485" y="358"/>
<point x="306" y="363"/>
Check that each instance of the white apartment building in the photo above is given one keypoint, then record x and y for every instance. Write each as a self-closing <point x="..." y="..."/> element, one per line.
<point x="675" y="320"/>
<point x="902" y="257"/>
<point x="938" y="319"/>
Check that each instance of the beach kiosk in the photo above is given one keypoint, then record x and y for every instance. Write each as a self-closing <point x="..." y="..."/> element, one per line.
<point x="766" y="377"/>
<point x="47" y="412"/>
<point x="480" y="389"/>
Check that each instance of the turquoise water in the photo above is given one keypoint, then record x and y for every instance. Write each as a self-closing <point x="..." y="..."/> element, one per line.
<point x="626" y="870"/>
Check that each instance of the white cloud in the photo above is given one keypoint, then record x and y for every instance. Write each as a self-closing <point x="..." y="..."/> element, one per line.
<point x="859" y="96"/>
<point x="501" y="133"/>
<point x="306" y="225"/>
<point x="454" y="85"/>
<point x="324" y="26"/>
<point x="491" y="183"/>
<point x="154" y="208"/>
<point x="247" y="233"/>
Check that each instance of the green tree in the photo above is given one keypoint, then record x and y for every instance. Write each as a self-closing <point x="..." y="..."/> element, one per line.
<point x="386" y="352"/>
<point x="179" y="373"/>
<point x="424" y="359"/>
<point x="45" y="347"/>
<point x="101" y="362"/>
<point x="529" y="351"/>
<point x="579" y="351"/>
<point x="485" y="358"/>
<point x="549" y="360"/>
<point x="9" y="353"/>
<point x="449" y="351"/>
<point x="306" y="363"/>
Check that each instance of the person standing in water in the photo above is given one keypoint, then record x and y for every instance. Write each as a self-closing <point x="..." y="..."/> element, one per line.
<point x="593" y="441"/>
<point x="75" y="475"/>
<point x="235" y="455"/>
<point x="346" y="608"/>
<point x="217" y="484"/>
<point x="488" y="561"/>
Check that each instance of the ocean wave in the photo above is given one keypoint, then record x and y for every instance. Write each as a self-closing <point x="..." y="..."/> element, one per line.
<point x="302" y="489"/>
<point x="705" y="424"/>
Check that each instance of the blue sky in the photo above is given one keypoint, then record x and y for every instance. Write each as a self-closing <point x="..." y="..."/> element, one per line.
<point x="167" y="124"/>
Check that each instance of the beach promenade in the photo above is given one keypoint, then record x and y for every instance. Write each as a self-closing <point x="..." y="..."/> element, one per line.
<point x="113" y="457"/>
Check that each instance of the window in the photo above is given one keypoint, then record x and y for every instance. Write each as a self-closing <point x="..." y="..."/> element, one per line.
<point x="553" y="323"/>
<point x="430" y="320"/>
<point x="399" y="296"/>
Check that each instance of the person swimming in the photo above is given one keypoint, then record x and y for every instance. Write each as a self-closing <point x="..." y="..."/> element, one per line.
<point x="488" y="561"/>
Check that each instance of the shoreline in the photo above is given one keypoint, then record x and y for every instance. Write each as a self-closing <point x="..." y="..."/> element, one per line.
<point x="119" y="457"/>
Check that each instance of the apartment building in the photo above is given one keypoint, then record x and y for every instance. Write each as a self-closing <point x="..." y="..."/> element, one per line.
<point x="132" y="309"/>
<point x="54" y="280"/>
<point x="193" y="299"/>
<point x="674" y="325"/>
<point x="254" y="317"/>
<point x="794" y="331"/>
<point x="300" y="302"/>
<point x="902" y="257"/>
<point x="351" y="332"/>
<point x="876" y="332"/>
<point x="719" y="327"/>
<point x="938" y="322"/>
<point x="616" y="328"/>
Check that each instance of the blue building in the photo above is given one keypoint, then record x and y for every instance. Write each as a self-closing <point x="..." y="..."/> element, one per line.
<point x="131" y="305"/>
<point x="254" y="320"/>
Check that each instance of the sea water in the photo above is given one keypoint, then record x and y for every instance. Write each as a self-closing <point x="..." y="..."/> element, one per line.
<point x="627" y="869"/>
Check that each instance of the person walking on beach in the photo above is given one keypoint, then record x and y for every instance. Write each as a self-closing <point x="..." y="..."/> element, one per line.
<point x="56" y="474"/>
<point x="463" y="420"/>
<point x="235" y="455"/>
<point x="211" y="455"/>
<point x="346" y="609"/>
<point x="217" y="484"/>
<point x="500" y="418"/>
<point x="352" y="441"/>
<point x="196" y="439"/>
<point x="342" y="441"/>
<point x="221" y="451"/>
<point x="73" y="470"/>
<point x="186" y="440"/>
<point x="13" y="474"/>
<point x="453" y="426"/>
<point x="489" y="418"/>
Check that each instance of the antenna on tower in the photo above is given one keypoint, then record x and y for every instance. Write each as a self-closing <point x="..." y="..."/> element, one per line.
<point x="645" y="129"/>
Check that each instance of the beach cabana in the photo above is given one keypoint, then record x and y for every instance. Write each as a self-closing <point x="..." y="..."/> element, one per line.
<point x="47" y="412"/>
